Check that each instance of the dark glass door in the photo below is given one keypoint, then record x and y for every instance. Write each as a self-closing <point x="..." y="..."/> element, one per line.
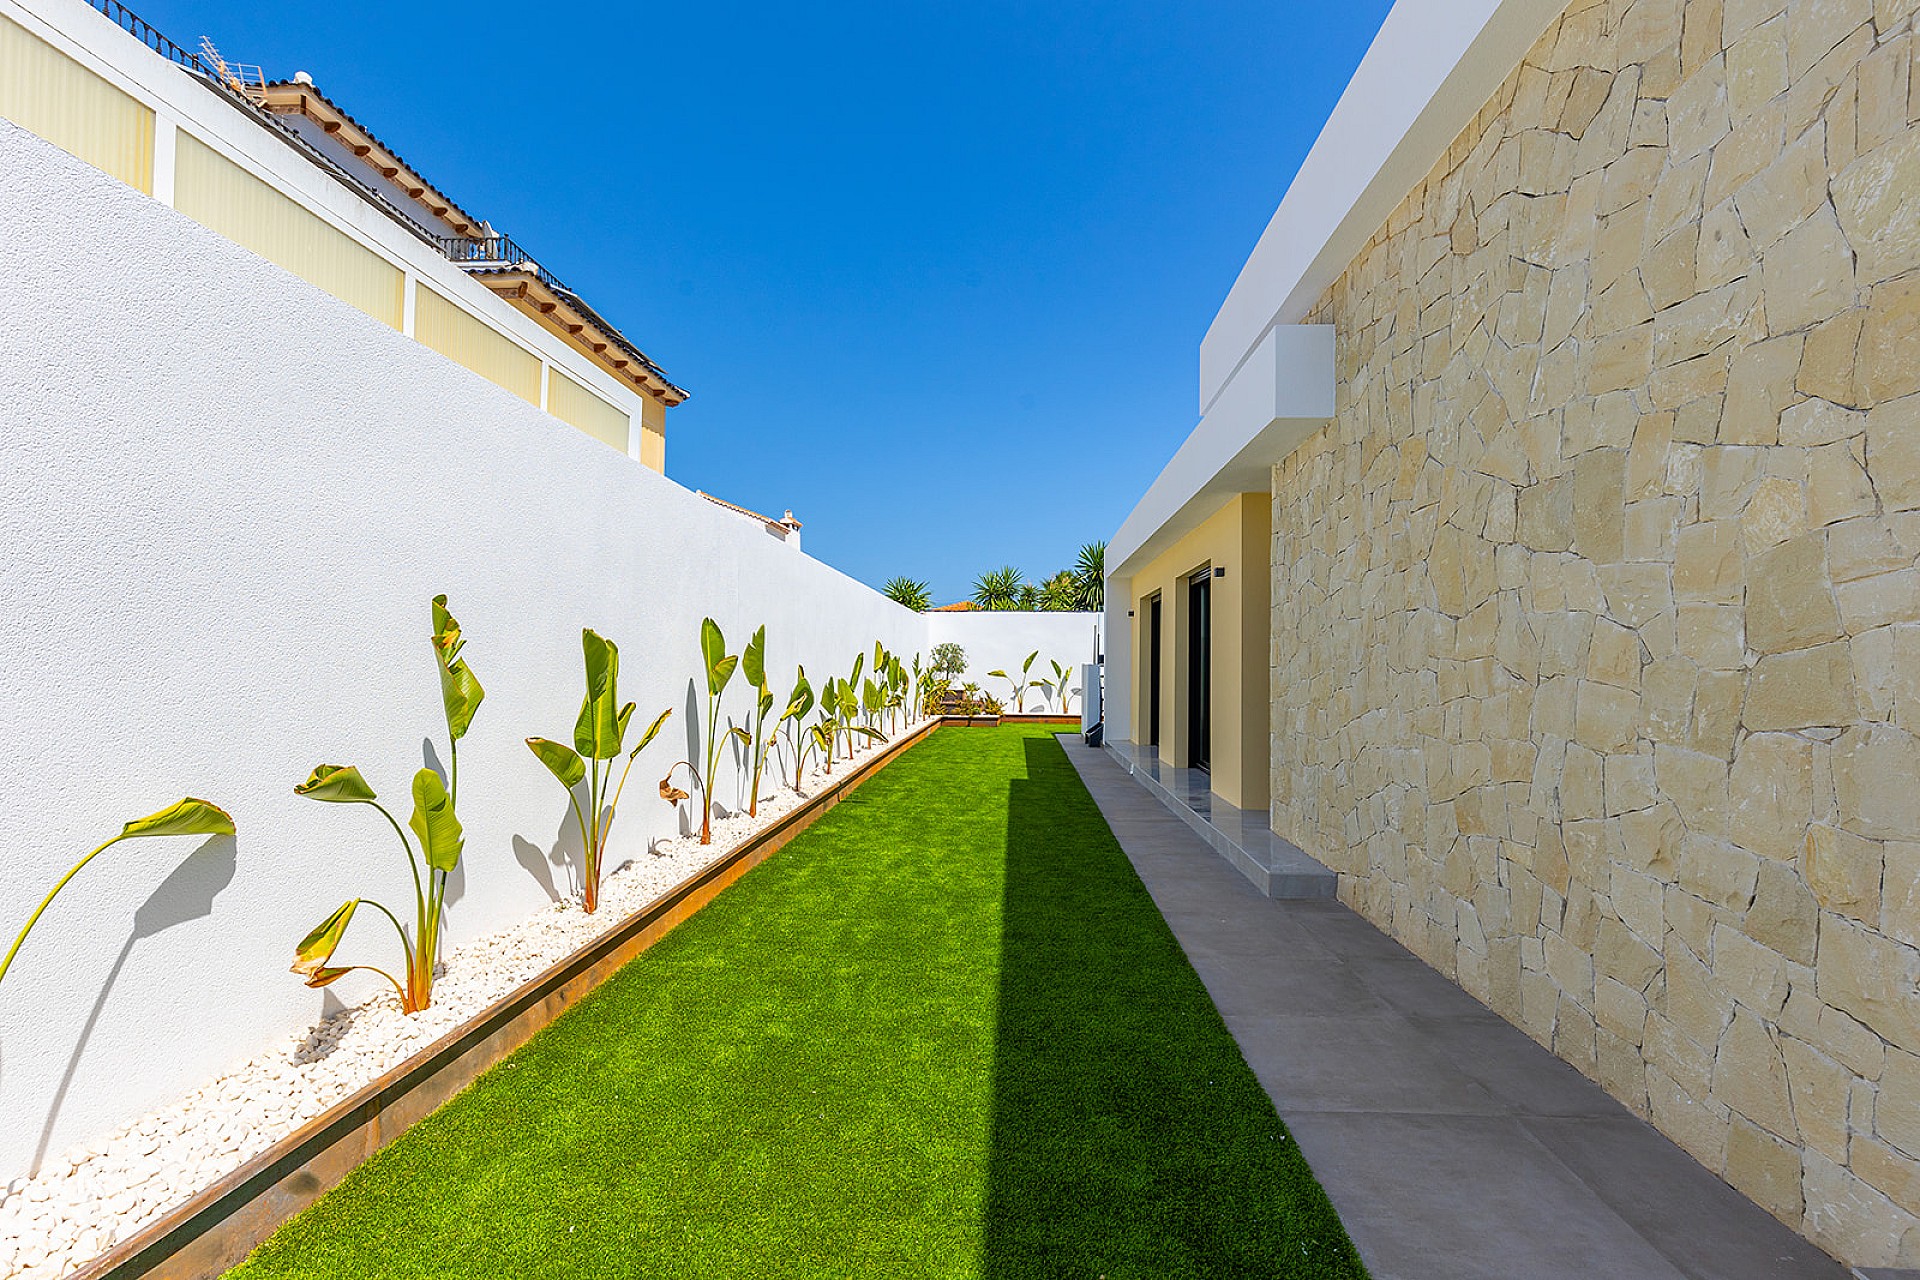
<point x="1200" y="670"/>
<point x="1153" y="672"/>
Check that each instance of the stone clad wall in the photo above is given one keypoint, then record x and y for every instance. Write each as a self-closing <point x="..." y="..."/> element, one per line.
<point x="1596" y="617"/>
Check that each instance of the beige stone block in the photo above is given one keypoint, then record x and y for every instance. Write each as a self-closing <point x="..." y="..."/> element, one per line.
<point x="1606" y="716"/>
<point x="1814" y="27"/>
<point x="1620" y="360"/>
<point x="1784" y="916"/>
<point x="1870" y="545"/>
<point x="1757" y="67"/>
<point x="1697" y="111"/>
<point x="1889" y="356"/>
<point x="1893" y="452"/>
<point x="1786" y="193"/>
<point x="1619" y="1010"/>
<point x="1698" y="1125"/>
<point x="1717" y="699"/>
<point x="1776" y="511"/>
<point x="1666" y="700"/>
<point x="1699" y="1009"/>
<point x="1826" y="367"/>
<point x="1872" y="978"/>
<point x="1638" y="595"/>
<point x="1725" y="252"/>
<point x="1546" y="514"/>
<point x="1706" y="321"/>
<point x="1690" y="920"/>
<point x="1818" y="1086"/>
<point x="1742" y="16"/>
<point x="1621" y="305"/>
<point x="1750" y="1076"/>
<point x="1896" y="1113"/>
<point x="1821" y="422"/>
<point x="1638" y="897"/>
<point x="1808" y="274"/>
<point x="1707" y="562"/>
<point x="1843" y="870"/>
<point x="1719" y="872"/>
<point x="1618" y="245"/>
<point x="1760" y="387"/>
<point x="1651" y="526"/>
<point x="1647" y="455"/>
<point x="1765" y="1169"/>
<point x="1712" y="635"/>
<point x="1850" y="1219"/>
<point x="1581" y="793"/>
<point x="1802" y="689"/>
<point x="1629" y="783"/>
<point x="1755" y="142"/>
<point x="1728" y="477"/>
<point x="1770" y="794"/>
<point x="1755" y="975"/>
<point x="1879" y="601"/>
<point x="1790" y="602"/>
<point x="1877" y="198"/>
<point x="1614" y="655"/>
<point x="1669" y="271"/>
<point x="1891" y="1171"/>
<point x="1900" y="892"/>
<point x="1875" y="767"/>
<point x="1837" y="485"/>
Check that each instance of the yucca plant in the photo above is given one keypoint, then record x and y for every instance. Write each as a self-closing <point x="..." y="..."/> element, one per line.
<point x="1020" y="684"/>
<point x="441" y="840"/>
<point x="1057" y="687"/>
<point x="720" y="666"/>
<point x="599" y="736"/>
<point x="434" y="823"/>
<point x="910" y="593"/>
<point x="188" y="817"/>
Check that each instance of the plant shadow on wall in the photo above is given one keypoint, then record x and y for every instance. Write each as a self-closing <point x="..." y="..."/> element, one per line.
<point x="186" y="894"/>
<point x="1129" y="1137"/>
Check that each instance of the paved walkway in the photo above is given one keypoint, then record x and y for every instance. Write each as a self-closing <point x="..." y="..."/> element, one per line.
<point x="1452" y="1145"/>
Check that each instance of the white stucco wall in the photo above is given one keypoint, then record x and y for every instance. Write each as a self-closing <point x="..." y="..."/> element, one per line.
<point x="225" y="501"/>
<point x="1003" y="641"/>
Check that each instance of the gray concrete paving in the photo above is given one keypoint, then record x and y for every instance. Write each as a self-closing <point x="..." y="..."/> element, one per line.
<point x="1454" y="1147"/>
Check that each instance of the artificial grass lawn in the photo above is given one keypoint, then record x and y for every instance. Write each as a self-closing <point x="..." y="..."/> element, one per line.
<point x="942" y="1033"/>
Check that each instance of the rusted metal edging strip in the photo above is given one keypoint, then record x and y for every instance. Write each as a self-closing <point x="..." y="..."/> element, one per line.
<point x="219" y="1226"/>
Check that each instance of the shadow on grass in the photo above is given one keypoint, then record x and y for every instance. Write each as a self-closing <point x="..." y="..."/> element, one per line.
<point x="1129" y="1138"/>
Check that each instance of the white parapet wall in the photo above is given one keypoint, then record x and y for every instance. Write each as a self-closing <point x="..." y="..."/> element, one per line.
<point x="1002" y="640"/>
<point x="227" y="499"/>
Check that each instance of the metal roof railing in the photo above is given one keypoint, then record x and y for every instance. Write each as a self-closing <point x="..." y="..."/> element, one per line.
<point x="143" y="31"/>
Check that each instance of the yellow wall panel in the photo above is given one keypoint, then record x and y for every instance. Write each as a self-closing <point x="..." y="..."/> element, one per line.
<point x="48" y="93"/>
<point x="653" y="434"/>
<point x="570" y="402"/>
<point x="221" y="196"/>
<point x="480" y="347"/>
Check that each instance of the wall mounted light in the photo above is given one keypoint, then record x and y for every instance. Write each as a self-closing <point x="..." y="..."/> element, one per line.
<point x="1219" y="571"/>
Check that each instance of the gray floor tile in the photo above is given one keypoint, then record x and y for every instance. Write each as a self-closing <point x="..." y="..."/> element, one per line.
<point x="1354" y="1062"/>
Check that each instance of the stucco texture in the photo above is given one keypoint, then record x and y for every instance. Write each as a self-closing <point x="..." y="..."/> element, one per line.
<point x="226" y="501"/>
<point x="1594" y="646"/>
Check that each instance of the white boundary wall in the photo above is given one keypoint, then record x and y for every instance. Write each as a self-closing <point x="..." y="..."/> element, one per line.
<point x="225" y="501"/>
<point x="1002" y="640"/>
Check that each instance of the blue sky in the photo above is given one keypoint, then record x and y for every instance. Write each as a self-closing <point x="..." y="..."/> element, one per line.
<point x="936" y="275"/>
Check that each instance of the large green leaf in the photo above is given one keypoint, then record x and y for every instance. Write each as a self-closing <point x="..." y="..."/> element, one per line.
<point x="859" y="665"/>
<point x="596" y="733"/>
<point x="753" y="659"/>
<point x="339" y="783"/>
<point x="460" y="691"/>
<point x="433" y="821"/>
<point x="800" y="701"/>
<point x="188" y="817"/>
<point x="561" y="760"/>
<point x="311" y="956"/>
<point x="764" y="703"/>
<point x="713" y="650"/>
<point x="653" y="731"/>
<point x="1028" y="664"/>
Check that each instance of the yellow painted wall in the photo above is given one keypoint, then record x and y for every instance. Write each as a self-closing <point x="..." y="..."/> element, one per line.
<point x="1234" y="538"/>
<point x="221" y="196"/>
<point x="572" y="403"/>
<point x="48" y="93"/>
<point x="653" y="436"/>
<point x="460" y="337"/>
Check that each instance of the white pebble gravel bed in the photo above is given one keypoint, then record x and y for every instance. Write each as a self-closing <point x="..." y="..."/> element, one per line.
<point x="83" y="1201"/>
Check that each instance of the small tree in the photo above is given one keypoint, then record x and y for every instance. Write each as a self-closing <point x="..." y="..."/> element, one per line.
<point x="948" y="661"/>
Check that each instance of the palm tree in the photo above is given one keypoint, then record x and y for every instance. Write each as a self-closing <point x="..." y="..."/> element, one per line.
<point x="999" y="588"/>
<point x="910" y="592"/>
<point x="1060" y="593"/>
<point x="1029" y="598"/>
<point x="1090" y="577"/>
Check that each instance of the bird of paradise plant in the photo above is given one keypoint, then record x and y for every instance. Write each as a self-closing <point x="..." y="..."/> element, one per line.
<point x="188" y="817"/>
<point x="599" y="736"/>
<point x="799" y="703"/>
<point x="441" y="840"/>
<point x="720" y="666"/>
<point x="434" y="824"/>
<point x="1057" y="687"/>
<point x="1020" y="684"/>
<point x="753" y="665"/>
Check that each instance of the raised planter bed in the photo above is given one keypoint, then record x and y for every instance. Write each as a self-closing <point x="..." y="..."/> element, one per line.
<point x="217" y="1227"/>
